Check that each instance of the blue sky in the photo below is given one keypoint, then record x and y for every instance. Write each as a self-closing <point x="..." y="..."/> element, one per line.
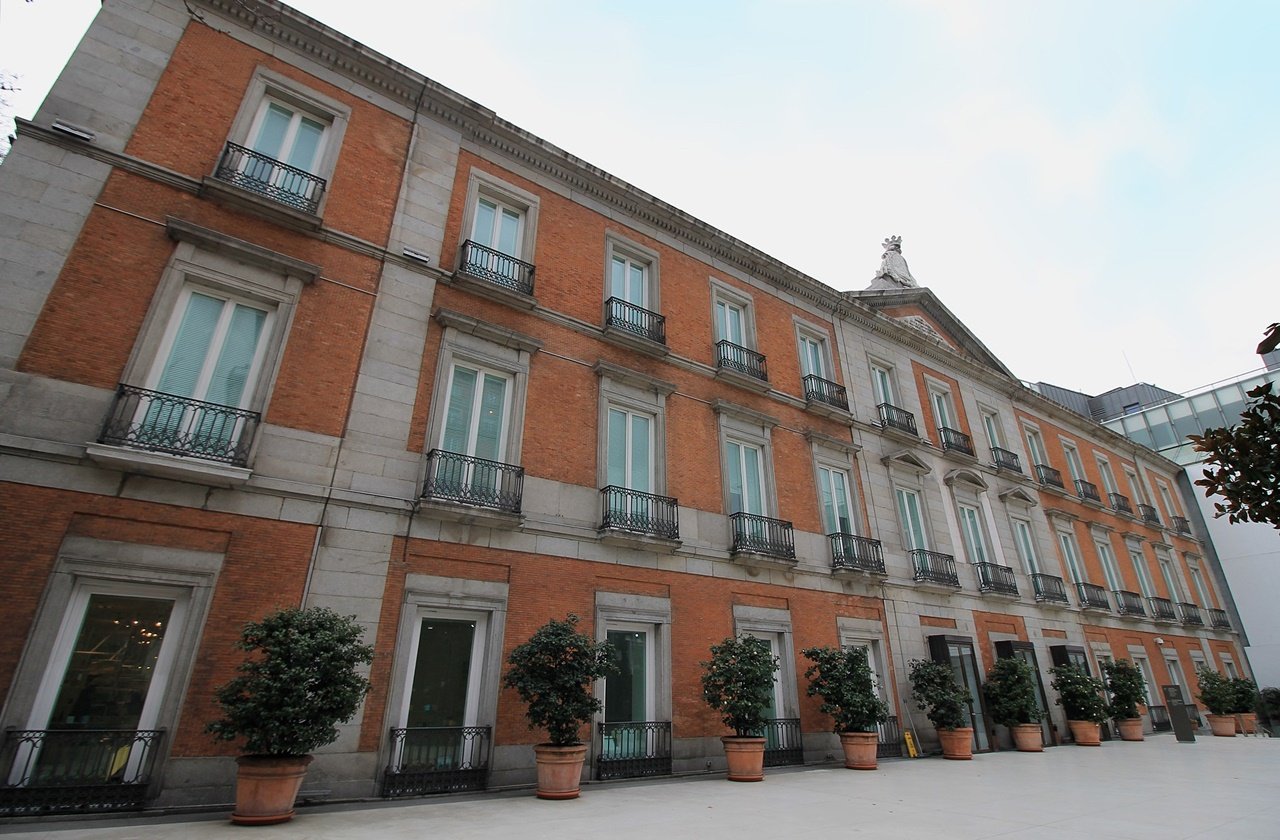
<point x="1089" y="186"/>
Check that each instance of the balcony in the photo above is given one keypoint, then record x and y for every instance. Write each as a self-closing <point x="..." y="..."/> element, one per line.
<point x="1182" y="525"/>
<point x="1092" y="597"/>
<point x="274" y="180"/>
<point x="1087" y="491"/>
<point x="954" y="440"/>
<point x="897" y="419"/>
<point x="641" y="513"/>
<point x="819" y="392"/>
<point x="935" y="567"/>
<point x="497" y="269"/>
<point x="783" y="745"/>
<point x="1049" y="589"/>
<point x="1128" y="603"/>
<point x="996" y="579"/>
<point x="1006" y="460"/>
<point x="1191" y="615"/>
<point x="156" y="422"/>
<point x="61" y="771"/>
<point x="437" y="759"/>
<point x="475" y="482"/>
<point x="1149" y="515"/>
<point x="1218" y="619"/>
<point x="634" y="750"/>
<point x="849" y="552"/>
<point x="763" y="537"/>
<point x="742" y="364"/>
<point x="1120" y="504"/>
<point x="626" y="320"/>
<point x="1049" y="477"/>
<point x="1162" y="610"/>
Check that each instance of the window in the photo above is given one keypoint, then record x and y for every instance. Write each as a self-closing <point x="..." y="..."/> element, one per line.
<point x="1169" y="575"/>
<point x="1175" y="675"/>
<point x="736" y="357"/>
<point x="477" y="413"/>
<point x="1109" y="569"/>
<point x="500" y="226"/>
<point x="631" y="292"/>
<point x="744" y="468"/>
<point x="1230" y="668"/>
<point x="1166" y="498"/>
<point x="1145" y="667"/>
<point x="1140" y="568"/>
<point x="835" y="500"/>
<point x="1197" y="580"/>
<point x="773" y="627"/>
<point x="882" y="383"/>
<point x="1135" y="487"/>
<point x="912" y="519"/>
<point x="991" y="425"/>
<point x="1074" y="465"/>
<point x="1024" y="539"/>
<point x="813" y="360"/>
<point x="975" y="541"/>
<point x="1071" y="554"/>
<point x="1035" y="446"/>
<point x="630" y="447"/>
<point x="940" y="400"/>
<point x="1108" y="477"/>
<point x="745" y="448"/>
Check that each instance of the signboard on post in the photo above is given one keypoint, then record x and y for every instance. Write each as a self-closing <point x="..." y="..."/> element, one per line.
<point x="1177" y="709"/>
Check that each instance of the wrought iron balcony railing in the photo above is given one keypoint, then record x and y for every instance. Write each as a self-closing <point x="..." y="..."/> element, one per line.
<point x="1120" y="504"/>
<point x="889" y="743"/>
<point x="634" y="749"/>
<point x="1128" y="603"/>
<point x="158" y="422"/>
<point x="1182" y="525"/>
<point x="636" y="320"/>
<point x="288" y="185"/>
<point x="744" y="360"/>
<point x="49" y="771"/>
<point x="1006" y="459"/>
<point x="1092" y="596"/>
<point x="850" y="551"/>
<point x="1218" y="619"/>
<point x="1049" y="589"/>
<point x="467" y="480"/>
<point x="754" y="534"/>
<point x="1087" y="490"/>
<point x="782" y="742"/>
<point x="893" y="417"/>
<point x="1149" y="514"/>
<point x="645" y="513"/>
<point x="934" y="567"/>
<point x="1191" y="614"/>
<point x="1049" y="477"/>
<point x="1162" y="609"/>
<point x="955" y="440"/>
<point x="437" y="759"/>
<point x="993" y="577"/>
<point x="817" y="389"/>
<point x="497" y="268"/>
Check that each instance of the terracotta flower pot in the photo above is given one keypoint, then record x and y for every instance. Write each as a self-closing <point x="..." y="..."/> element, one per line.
<point x="860" y="749"/>
<point x="1247" y="723"/>
<point x="559" y="770"/>
<point x="266" y="788"/>
<point x="745" y="757"/>
<point x="1130" y="729"/>
<point x="1027" y="738"/>
<point x="957" y="744"/>
<point x="1087" y="733"/>
<point x="1224" y="726"/>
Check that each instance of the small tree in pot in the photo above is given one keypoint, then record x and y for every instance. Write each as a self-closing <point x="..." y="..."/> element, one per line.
<point x="738" y="682"/>
<point x="1218" y="697"/>
<point x="842" y="678"/>
<point x="945" y="703"/>
<point x="1011" y="698"/>
<point x="1127" y="689"/>
<point x="1245" y="692"/>
<point x="1080" y="696"/>
<point x="554" y="672"/>
<point x="300" y="682"/>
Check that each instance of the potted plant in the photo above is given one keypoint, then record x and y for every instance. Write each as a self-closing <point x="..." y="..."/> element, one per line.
<point x="301" y="680"/>
<point x="1127" y="689"/>
<point x="1219" y="699"/>
<point x="554" y="672"/>
<point x="945" y="703"/>
<point x="842" y="678"/>
<point x="1268" y="709"/>
<point x="738" y="682"/>
<point x="1245" y="692"/>
<point x="1011" y="699"/>
<point x="1080" y="696"/>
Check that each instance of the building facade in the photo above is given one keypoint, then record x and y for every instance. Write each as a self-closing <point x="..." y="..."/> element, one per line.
<point x="285" y="322"/>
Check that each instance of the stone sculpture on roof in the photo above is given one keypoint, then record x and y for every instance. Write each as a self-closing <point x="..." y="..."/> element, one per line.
<point x="893" y="268"/>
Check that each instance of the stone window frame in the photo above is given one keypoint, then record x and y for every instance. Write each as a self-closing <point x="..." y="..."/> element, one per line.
<point x="836" y="454"/>
<point x="908" y="472"/>
<point x="765" y="621"/>
<point x="617" y="244"/>
<point x="654" y="611"/>
<point x="724" y="292"/>
<point x="815" y="332"/>
<point x="746" y="426"/>
<point x="870" y="632"/>
<point x="643" y="394"/>
<point x="481" y="182"/>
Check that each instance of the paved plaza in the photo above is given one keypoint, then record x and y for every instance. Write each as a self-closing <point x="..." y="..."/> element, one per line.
<point x="1158" y="789"/>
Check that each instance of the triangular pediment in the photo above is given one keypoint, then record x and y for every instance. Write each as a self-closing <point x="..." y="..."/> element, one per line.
<point x="963" y="476"/>
<point x="907" y="460"/>
<point x="1019" y="495"/>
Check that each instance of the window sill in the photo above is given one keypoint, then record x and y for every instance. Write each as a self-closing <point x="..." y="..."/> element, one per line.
<point x="829" y="411"/>
<point x="755" y="561"/>
<point x="632" y="341"/>
<point x="742" y="380"/>
<point x="491" y="290"/>
<point x="637" y="539"/>
<point x="958" y="456"/>
<point x="894" y="433"/>
<point x="167" y="466"/>
<point x="244" y="199"/>
<point x="470" y="515"/>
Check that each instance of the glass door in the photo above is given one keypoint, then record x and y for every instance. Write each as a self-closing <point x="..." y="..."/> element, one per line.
<point x="959" y="654"/>
<point x="444" y="691"/>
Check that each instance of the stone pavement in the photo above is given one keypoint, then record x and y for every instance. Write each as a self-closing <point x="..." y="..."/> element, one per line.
<point x="1157" y="790"/>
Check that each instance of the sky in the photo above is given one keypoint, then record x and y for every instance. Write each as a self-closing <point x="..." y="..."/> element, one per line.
<point x="1091" y="187"/>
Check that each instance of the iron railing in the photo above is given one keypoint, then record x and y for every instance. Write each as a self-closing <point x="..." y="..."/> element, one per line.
<point x="1191" y="614"/>
<point x="1049" y="476"/>
<point x="850" y="551"/>
<point x="48" y="771"/>
<point x="635" y="319"/>
<point x="468" y="480"/>
<point x="1128" y="603"/>
<point x="935" y="567"/>
<point x="955" y="440"/>
<point x="1162" y="609"/>
<point x="754" y="534"/>
<point x="782" y="742"/>
<point x="1218" y="619"/>
<point x="497" y="268"/>
<point x="1182" y="525"/>
<point x="1149" y="514"/>
<point x="1092" y="596"/>
<point x="1006" y="459"/>
<point x="634" y="749"/>
<point x="158" y="422"/>
<point x="992" y="577"/>
<point x="1160" y="719"/>
<point x="889" y="743"/>
<point x="437" y="759"/>
<point x="1087" y="490"/>
<point x="744" y="360"/>
<point x="1049" y="588"/>
<point x="288" y="185"/>
<point x="646" y="513"/>
<point x="892" y="417"/>
<point x="1120" y="504"/>
<point x="817" y="389"/>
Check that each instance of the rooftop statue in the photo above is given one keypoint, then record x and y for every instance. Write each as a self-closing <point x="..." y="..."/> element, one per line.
<point x="893" y="268"/>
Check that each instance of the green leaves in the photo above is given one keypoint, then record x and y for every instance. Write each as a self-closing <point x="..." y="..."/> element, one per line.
<point x="842" y="678"/>
<point x="738" y="681"/>
<point x="1126" y="686"/>
<point x="1011" y="693"/>
<point x="937" y="694"/>
<point x="1243" y="462"/>
<point x="1079" y="694"/>
<point x="553" y="673"/>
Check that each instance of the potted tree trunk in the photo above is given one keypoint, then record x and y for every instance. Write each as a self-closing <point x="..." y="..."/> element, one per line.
<point x="1080" y="696"/>
<point x="301" y="680"/>
<point x="1127" y="689"/>
<point x="1011" y="698"/>
<point x="553" y="672"/>
<point x="1218" y="697"/>
<point x="842" y="678"/>
<point x="1245" y="692"/>
<point x="738" y="682"/>
<point x="944" y="702"/>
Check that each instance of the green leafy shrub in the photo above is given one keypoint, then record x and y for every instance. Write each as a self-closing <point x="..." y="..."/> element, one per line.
<point x="1216" y="692"/>
<point x="842" y="678"/>
<point x="938" y="695"/>
<point x="553" y="673"/>
<point x="1079" y="694"/>
<point x="1126" y="687"/>
<point x="1269" y="705"/>
<point x="738" y="681"/>
<point x="1245" y="692"/>
<point x="1011" y="693"/>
